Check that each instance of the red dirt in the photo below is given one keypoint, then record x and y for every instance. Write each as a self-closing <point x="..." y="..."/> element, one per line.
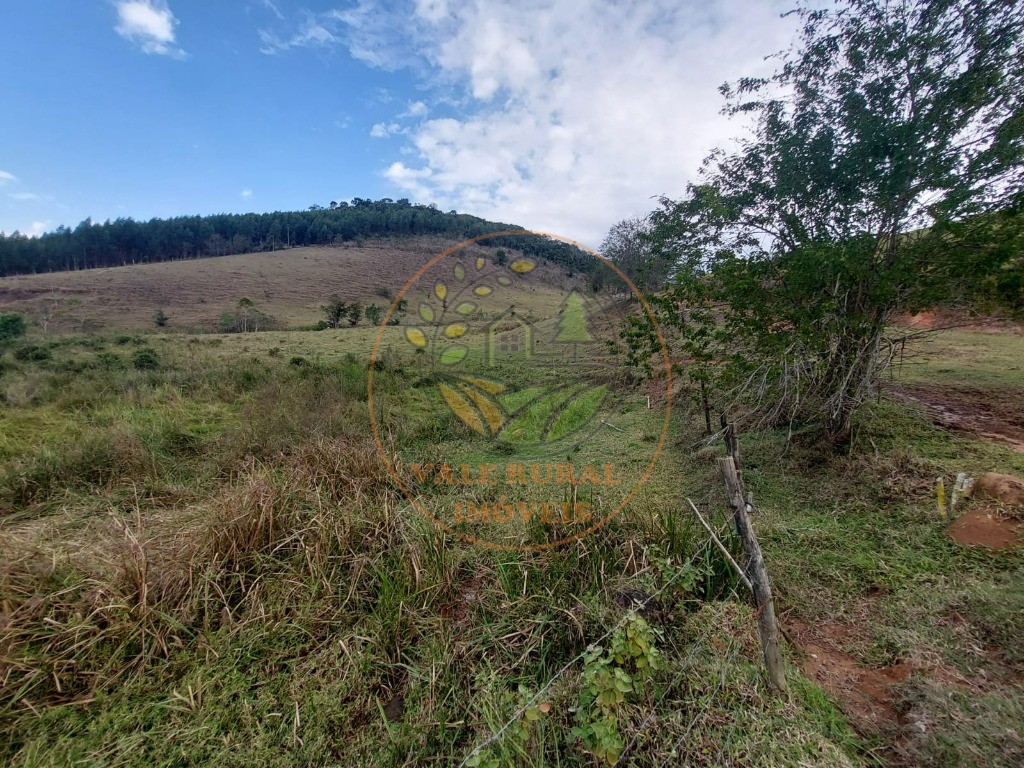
<point x="867" y="695"/>
<point x="993" y="414"/>
<point x="956" y="318"/>
<point x="986" y="528"/>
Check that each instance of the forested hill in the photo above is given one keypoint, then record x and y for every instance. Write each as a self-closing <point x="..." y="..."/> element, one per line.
<point x="126" y="241"/>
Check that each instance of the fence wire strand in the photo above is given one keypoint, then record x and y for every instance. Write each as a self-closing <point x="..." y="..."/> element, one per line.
<point x="638" y="607"/>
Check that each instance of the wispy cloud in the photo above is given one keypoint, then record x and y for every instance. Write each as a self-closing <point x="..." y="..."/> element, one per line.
<point x="383" y="130"/>
<point x="150" y="25"/>
<point x="246" y="194"/>
<point x="415" y="109"/>
<point x="551" y="128"/>
<point x="6" y="178"/>
<point x="376" y="33"/>
<point x="273" y="8"/>
<point x="312" y="33"/>
<point x="26" y="196"/>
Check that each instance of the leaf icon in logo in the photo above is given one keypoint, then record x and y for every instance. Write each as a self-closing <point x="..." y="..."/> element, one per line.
<point x="441" y="290"/>
<point x="415" y="335"/>
<point x="454" y="330"/>
<point x="479" y="263"/>
<point x="452" y="355"/>
<point x="522" y="266"/>
<point x="475" y="406"/>
<point x="552" y="415"/>
<point x="577" y="412"/>
<point x="462" y="408"/>
<point x="489" y="408"/>
<point x="427" y="313"/>
<point x="466" y="308"/>
<point x="482" y="290"/>
<point x="504" y="281"/>
<point x="460" y="273"/>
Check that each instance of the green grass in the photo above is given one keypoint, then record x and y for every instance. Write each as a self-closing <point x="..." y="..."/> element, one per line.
<point x="207" y="564"/>
<point x="965" y="358"/>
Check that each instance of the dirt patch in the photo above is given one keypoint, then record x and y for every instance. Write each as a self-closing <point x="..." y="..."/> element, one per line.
<point x="985" y="527"/>
<point x="957" y="318"/>
<point x="867" y="695"/>
<point x="993" y="414"/>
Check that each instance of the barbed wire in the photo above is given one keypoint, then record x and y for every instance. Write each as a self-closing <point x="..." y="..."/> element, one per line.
<point x="638" y="607"/>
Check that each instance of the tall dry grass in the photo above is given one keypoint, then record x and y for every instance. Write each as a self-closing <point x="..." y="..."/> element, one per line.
<point x="79" y="618"/>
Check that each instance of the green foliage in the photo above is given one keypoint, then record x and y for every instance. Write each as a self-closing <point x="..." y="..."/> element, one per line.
<point x="32" y="353"/>
<point x="146" y="359"/>
<point x="160" y="318"/>
<point x="374" y="314"/>
<point x="500" y="257"/>
<point x="90" y="245"/>
<point x="245" y="319"/>
<point x="12" y="326"/>
<point x="610" y="677"/>
<point x="885" y="173"/>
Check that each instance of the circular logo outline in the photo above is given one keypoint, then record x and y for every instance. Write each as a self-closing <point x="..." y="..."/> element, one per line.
<point x="411" y="498"/>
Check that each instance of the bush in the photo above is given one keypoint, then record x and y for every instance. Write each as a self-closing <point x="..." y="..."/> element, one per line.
<point x="12" y="326"/>
<point x="32" y="353"/>
<point x="146" y="359"/>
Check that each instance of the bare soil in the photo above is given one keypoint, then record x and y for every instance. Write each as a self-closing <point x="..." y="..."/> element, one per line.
<point x="993" y="414"/>
<point x="867" y="695"/>
<point x="986" y="527"/>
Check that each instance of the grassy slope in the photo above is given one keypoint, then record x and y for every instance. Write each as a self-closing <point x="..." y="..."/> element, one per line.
<point x="296" y="611"/>
<point x="289" y="285"/>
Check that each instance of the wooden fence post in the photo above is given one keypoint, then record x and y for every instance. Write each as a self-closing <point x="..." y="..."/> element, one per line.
<point x="768" y="625"/>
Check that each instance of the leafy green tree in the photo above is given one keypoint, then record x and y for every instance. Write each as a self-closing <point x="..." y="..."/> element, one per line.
<point x="160" y="318"/>
<point x="884" y="172"/>
<point x="374" y="313"/>
<point x="355" y="313"/>
<point x="627" y="246"/>
<point x="336" y="310"/>
<point x="12" y="326"/>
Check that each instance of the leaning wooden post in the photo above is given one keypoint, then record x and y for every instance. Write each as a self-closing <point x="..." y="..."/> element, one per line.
<point x="767" y="624"/>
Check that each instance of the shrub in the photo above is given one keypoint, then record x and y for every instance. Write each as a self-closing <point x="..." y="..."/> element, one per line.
<point x="146" y="359"/>
<point x="12" y="326"/>
<point x="32" y="353"/>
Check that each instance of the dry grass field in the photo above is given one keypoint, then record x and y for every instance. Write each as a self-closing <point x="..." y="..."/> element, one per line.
<point x="289" y="285"/>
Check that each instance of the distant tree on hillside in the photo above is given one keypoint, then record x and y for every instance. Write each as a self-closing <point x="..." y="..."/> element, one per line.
<point x="336" y="310"/>
<point x="126" y="241"/>
<point x="355" y="313"/>
<point x="374" y="313"/>
<point x="12" y="326"/>
<point x="245" y="319"/>
<point x="160" y="318"/>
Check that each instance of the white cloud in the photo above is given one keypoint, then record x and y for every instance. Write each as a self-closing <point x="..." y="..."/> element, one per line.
<point x="150" y="25"/>
<point x="383" y="130"/>
<point x="26" y="196"/>
<point x="273" y="8"/>
<point x="568" y="116"/>
<point x="246" y="193"/>
<point x="6" y="177"/>
<point x="310" y="34"/>
<point x="415" y="109"/>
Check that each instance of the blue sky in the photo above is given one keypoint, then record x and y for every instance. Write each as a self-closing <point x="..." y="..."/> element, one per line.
<point x="562" y="116"/>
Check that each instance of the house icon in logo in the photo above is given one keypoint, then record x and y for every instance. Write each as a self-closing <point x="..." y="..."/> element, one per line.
<point x="509" y="337"/>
